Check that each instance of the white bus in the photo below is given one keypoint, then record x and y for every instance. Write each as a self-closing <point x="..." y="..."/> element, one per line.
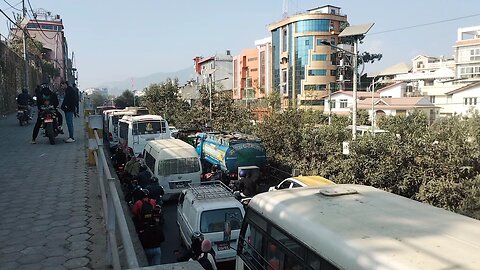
<point x="353" y="227"/>
<point x="174" y="162"/>
<point x="136" y="131"/>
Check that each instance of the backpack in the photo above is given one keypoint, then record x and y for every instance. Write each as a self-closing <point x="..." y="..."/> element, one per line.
<point x="205" y="262"/>
<point x="151" y="236"/>
<point x="146" y="213"/>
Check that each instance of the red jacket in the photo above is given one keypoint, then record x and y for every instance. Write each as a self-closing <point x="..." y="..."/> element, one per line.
<point x="137" y="207"/>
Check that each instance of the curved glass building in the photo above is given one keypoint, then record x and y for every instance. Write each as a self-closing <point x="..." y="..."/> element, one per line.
<point x="304" y="69"/>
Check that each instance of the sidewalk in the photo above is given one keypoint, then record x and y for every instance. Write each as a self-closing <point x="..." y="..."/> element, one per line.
<point x="49" y="210"/>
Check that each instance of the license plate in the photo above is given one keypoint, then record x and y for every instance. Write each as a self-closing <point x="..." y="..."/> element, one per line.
<point x="179" y="184"/>
<point x="48" y="120"/>
<point x="223" y="246"/>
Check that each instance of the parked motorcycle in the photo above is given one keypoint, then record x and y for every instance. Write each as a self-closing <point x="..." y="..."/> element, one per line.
<point x="22" y="115"/>
<point x="49" y="123"/>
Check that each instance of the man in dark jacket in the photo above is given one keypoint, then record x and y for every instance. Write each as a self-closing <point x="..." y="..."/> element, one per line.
<point x="45" y="95"/>
<point x="24" y="100"/>
<point x="69" y="106"/>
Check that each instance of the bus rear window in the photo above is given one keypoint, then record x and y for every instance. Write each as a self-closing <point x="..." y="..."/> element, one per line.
<point x="214" y="220"/>
<point x="149" y="127"/>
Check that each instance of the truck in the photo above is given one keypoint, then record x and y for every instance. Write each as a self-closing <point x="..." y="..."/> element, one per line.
<point x="231" y="151"/>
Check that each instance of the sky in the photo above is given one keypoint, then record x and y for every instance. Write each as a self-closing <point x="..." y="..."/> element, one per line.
<point x="115" y="40"/>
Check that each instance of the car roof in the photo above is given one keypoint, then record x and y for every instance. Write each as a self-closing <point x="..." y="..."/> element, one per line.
<point x="312" y="180"/>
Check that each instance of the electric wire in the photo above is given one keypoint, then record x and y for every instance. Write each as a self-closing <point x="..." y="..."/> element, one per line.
<point x="39" y="26"/>
<point x="12" y="6"/>
<point x="424" y="24"/>
<point x="28" y="35"/>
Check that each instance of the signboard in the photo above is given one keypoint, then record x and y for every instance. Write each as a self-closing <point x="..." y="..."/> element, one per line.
<point x="346" y="148"/>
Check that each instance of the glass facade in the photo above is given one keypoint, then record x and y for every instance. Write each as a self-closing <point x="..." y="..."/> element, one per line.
<point x="319" y="57"/>
<point x="312" y="26"/>
<point x="276" y="59"/>
<point x="302" y="46"/>
<point x="317" y="72"/>
<point x="290" y="62"/>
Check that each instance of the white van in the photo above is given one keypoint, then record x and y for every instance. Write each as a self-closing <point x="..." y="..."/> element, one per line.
<point x="174" y="162"/>
<point x="211" y="209"/>
<point x="112" y="125"/>
<point x="136" y="131"/>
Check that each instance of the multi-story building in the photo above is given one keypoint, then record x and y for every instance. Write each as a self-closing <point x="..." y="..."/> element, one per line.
<point x="245" y="75"/>
<point x="304" y="69"/>
<point x="467" y="54"/>
<point x="49" y="30"/>
<point x="264" y="47"/>
<point x="215" y="71"/>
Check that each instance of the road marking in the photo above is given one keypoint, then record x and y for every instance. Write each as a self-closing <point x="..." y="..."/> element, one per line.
<point x="42" y="155"/>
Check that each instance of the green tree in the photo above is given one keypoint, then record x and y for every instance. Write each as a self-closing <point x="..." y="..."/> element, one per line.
<point x="125" y="99"/>
<point x="97" y="99"/>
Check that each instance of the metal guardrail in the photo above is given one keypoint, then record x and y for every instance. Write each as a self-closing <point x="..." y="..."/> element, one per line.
<point x="112" y="209"/>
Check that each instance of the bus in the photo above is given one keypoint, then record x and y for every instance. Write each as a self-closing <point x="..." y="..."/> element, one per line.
<point x="353" y="227"/>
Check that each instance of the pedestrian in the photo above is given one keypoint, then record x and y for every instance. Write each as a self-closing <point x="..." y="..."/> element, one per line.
<point x="70" y="107"/>
<point x="206" y="259"/>
<point x="77" y="95"/>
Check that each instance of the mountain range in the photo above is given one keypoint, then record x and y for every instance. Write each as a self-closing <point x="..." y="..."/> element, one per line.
<point x="116" y="88"/>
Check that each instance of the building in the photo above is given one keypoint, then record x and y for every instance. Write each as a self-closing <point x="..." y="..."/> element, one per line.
<point x="304" y="69"/>
<point x="341" y="102"/>
<point x="245" y="75"/>
<point x="467" y="54"/>
<point x="215" y="70"/>
<point x="464" y="100"/>
<point x="398" y="106"/>
<point x="264" y="47"/>
<point x="48" y="29"/>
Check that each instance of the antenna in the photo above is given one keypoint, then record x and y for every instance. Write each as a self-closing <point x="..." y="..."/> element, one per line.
<point x="285" y="9"/>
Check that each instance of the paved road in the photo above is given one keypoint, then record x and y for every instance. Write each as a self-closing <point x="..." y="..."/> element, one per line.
<point x="47" y="218"/>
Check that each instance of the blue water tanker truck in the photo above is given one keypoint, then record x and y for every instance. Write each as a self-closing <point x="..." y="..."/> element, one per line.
<point x="230" y="151"/>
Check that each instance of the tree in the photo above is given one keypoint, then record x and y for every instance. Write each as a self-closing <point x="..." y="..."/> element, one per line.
<point x="125" y="99"/>
<point x="97" y="99"/>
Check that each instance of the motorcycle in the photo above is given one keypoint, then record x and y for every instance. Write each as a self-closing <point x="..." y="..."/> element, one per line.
<point x="22" y="115"/>
<point x="49" y="123"/>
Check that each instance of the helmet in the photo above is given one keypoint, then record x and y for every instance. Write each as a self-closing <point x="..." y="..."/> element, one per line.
<point x="145" y="192"/>
<point x="215" y="167"/>
<point x="242" y="173"/>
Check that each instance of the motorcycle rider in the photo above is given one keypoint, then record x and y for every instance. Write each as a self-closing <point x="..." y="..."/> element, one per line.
<point x="46" y="97"/>
<point x="24" y="100"/>
<point x="216" y="174"/>
<point x="246" y="184"/>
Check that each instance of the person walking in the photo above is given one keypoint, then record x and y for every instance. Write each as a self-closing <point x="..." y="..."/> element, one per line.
<point x="69" y="106"/>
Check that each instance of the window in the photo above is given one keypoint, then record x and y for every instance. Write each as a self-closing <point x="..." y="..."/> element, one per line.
<point x="470" y="101"/>
<point x="252" y="59"/>
<point x="214" y="220"/>
<point x="343" y="103"/>
<point x="149" y="127"/>
<point x="284" y="76"/>
<point x="432" y="99"/>
<point x="333" y="72"/>
<point x="124" y="130"/>
<point x="149" y="161"/>
<point x="315" y="87"/>
<point x="307" y="42"/>
<point x="254" y="69"/>
<point x="284" y="40"/>
<point x="428" y="82"/>
<point x="320" y="25"/>
<point x="178" y="166"/>
<point x="332" y="104"/>
<point x="319" y="57"/>
<point x="317" y="72"/>
<point x="285" y="185"/>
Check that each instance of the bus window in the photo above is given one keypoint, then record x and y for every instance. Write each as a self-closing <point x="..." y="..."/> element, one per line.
<point x="290" y="244"/>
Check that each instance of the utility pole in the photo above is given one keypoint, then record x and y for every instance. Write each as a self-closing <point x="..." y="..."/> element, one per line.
<point x="25" y="45"/>
<point x="355" y="70"/>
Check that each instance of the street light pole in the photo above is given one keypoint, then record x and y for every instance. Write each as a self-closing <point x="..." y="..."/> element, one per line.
<point x="25" y="45"/>
<point x="355" y="71"/>
<point x="210" y="98"/>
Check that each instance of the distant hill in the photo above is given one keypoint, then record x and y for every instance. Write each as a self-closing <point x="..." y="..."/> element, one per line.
<point x="116" y="88"/>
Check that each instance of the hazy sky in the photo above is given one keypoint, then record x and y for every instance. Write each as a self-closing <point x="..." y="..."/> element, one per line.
<point x="117" y="39"/>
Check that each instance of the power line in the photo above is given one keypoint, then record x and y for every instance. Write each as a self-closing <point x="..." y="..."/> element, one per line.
<point x="39" y="26"/>
<point x="13" y="5"/>
<point x="424" y="24"/>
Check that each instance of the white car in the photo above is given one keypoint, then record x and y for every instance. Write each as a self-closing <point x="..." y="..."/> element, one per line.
<point x="211" y="209"/>
<point x="302" y="181"/>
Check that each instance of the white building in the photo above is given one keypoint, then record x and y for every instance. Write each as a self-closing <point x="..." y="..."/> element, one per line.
<point x="341" y="102"/>
<point x="215" y="70"/>
<point x="467" y="53"/>
<point x="464" y="100"/>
